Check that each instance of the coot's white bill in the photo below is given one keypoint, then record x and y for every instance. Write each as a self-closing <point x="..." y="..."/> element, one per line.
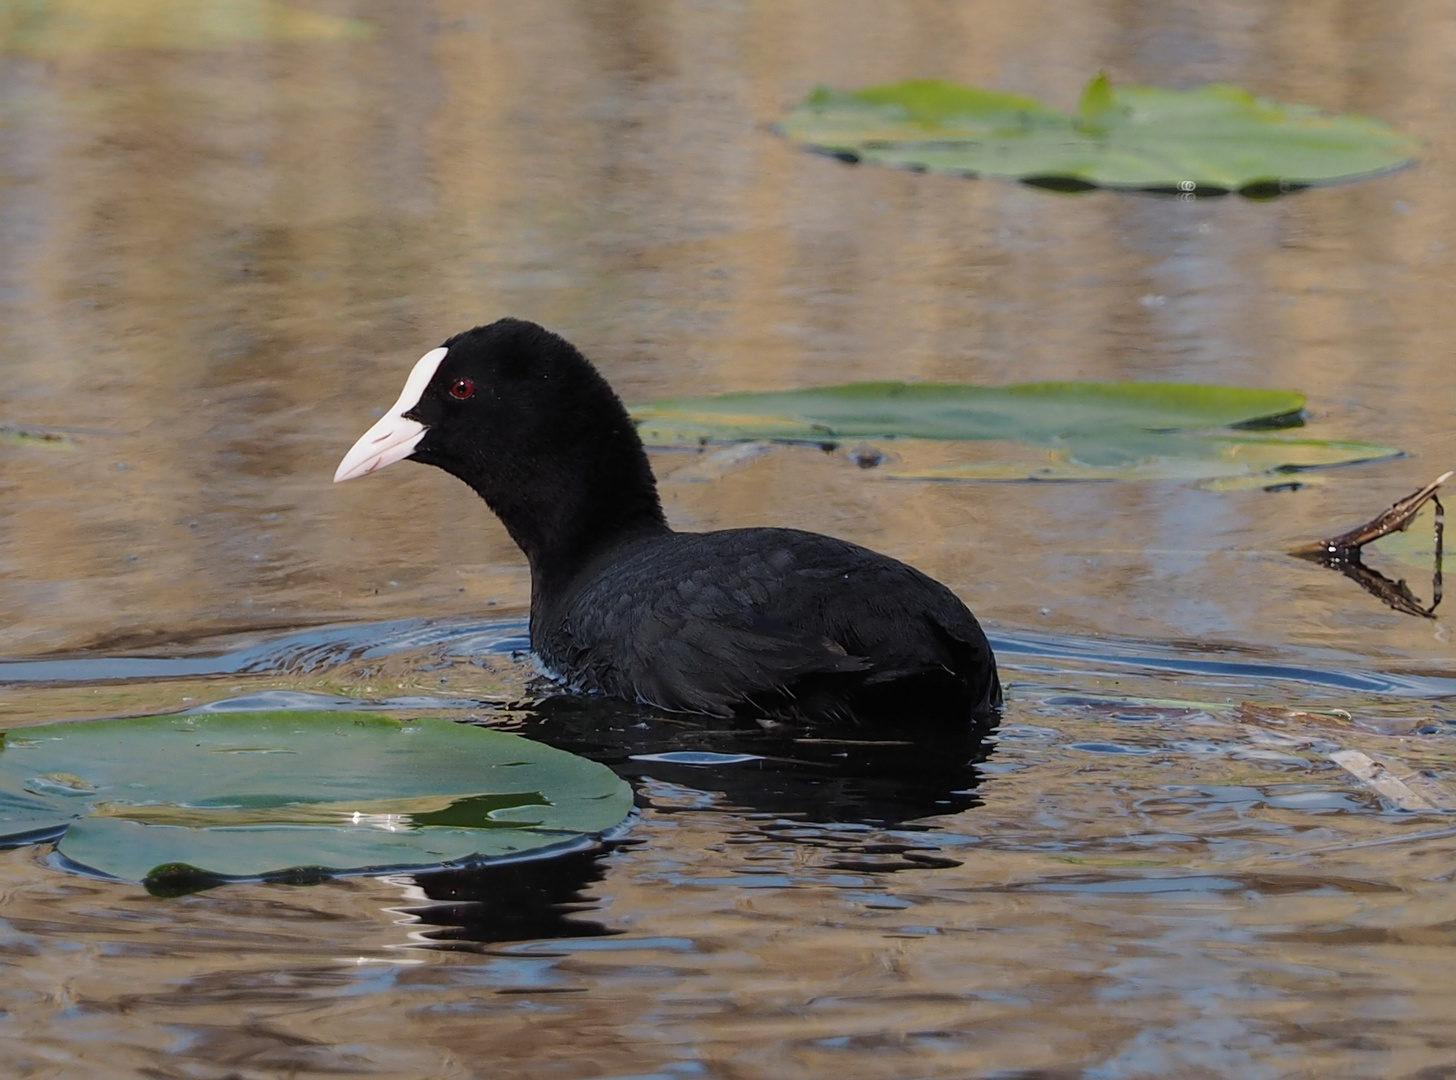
<point x="394" y="436"/>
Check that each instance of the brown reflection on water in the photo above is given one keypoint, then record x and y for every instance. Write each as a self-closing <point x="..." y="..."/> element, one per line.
<point x="1196" y="904"/>
<point x="223" y="261"/>
<point x="215" y="265"/>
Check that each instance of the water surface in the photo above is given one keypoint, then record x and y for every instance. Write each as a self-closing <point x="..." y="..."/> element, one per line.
<point x="216" y="266"/>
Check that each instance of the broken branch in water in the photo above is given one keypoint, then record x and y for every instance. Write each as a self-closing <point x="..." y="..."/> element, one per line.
<point x="1395" y="519"/>
<point x="1343" y="552"/>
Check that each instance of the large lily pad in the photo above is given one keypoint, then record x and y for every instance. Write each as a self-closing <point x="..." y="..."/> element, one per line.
<point x="1082" y="431"/>
<point x="247" y="795"/>
<point x="1211" y="139"/>
<point x="1030" y="412"/>
<point x="60" y="27"/>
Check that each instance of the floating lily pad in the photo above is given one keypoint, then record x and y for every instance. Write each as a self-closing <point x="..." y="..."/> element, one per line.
<point x="1028" y="412"/>
<point x="1211" y="139"/>
<point x="1085" y="431"/>
<point x="59" y="27"/>
<point x="262" y="794"/>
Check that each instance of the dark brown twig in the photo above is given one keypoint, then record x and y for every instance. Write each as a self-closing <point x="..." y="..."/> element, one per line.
<point x="1342" y="552"/>
<point x="1400" y="514"/>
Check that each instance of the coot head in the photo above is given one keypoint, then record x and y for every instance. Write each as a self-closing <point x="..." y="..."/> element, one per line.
<point x="520" y="415"/>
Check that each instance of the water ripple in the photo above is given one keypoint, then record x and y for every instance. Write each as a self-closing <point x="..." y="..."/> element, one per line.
<point x="318" y="648"/>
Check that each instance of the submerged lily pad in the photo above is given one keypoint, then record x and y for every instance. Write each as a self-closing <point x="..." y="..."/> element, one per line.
<point x="1089" y="431"/>
<point x="260" y="794"/>
<point x="1414" y="548"/>
<point x="1174" y="456"/>
<point x="30" y="436"/>
<point x="1211" y="139"/>
<point x="59" y="27"/>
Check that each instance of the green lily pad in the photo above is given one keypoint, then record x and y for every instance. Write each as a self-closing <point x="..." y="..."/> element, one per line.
<point x="61" y="27"/>
<point x="262" y="794"/>
<point x="1086" y="431"/>
<point x="1211" y="139"/>
<point x="1028" y="412"/>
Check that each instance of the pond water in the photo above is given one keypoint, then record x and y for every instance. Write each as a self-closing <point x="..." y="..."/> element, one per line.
<point x="216" y="266"/>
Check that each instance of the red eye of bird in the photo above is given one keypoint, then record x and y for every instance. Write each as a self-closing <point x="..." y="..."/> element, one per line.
<point x="461" y="389"/>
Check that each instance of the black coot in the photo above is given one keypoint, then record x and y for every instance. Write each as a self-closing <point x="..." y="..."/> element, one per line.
<point x="783" y="626"/>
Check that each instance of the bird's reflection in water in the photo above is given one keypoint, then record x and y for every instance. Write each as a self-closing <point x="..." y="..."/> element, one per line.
<point x="521" y="901"/>
<point x="840" y="777"/>
<point x="855" y="799"/>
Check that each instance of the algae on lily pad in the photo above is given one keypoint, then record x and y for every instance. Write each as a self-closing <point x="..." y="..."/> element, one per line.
<point x="1211" y="139"/>
<point x="79" y="27"/>
<point x="260" y="794"/>
<point x="1079" y="430"/>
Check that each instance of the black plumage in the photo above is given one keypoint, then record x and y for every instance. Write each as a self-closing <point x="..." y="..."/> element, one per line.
<point x="780" y="625"/>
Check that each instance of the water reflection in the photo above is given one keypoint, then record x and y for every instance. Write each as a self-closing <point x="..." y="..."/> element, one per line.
<point x="213" y="262"/>
<point x="853" y="802"/>
<point x="777" y="896"/>
<point x="1394" y="594"/>
<point x="835" y="778"/>
<point x="519" y="901"/>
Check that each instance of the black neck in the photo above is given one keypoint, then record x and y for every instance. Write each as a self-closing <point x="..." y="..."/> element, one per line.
<point x="569" y="506"/>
